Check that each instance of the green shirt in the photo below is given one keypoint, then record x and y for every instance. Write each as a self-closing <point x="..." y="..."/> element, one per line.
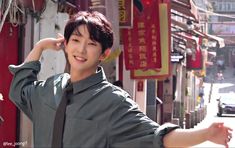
<point x="99" y="114"/>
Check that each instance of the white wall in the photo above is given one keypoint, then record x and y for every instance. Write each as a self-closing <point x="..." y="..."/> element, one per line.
<point x="52" y="62"/>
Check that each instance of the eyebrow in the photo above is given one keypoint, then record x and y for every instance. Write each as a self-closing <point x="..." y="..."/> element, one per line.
<point x="77" y="32"/>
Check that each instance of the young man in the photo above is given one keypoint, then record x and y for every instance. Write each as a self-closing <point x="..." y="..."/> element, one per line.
<point x="98" y="114"/>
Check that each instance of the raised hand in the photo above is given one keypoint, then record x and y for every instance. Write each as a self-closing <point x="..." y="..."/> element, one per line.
<point x="219" y="133"/>
<point x="47" y="43"/>
<point x="51" y="43"/>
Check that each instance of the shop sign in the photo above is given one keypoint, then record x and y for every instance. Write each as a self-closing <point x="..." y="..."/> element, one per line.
<point x="176" y="57"/>
<point x="140" y="85"/>
<point x="125" y="13"/>
<point x="142" y="42"/>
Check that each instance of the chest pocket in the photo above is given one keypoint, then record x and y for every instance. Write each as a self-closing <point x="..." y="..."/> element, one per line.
<point x="80" y="133"/>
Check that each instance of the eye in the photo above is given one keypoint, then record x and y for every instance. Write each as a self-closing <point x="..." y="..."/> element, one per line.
<point x="92" y="43"/>
<point x="75" y="40"/>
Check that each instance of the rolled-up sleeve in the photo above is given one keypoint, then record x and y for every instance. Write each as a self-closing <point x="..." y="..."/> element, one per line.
<point x="130" y="128"/>
<point x="161" y="132"/>
<point x="23" y="84"/>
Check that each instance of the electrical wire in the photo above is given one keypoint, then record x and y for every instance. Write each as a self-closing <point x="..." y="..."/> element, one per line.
<point x="5" y="15"/>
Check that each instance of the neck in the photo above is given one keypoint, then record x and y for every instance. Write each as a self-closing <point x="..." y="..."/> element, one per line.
<point x="78" y="76"/>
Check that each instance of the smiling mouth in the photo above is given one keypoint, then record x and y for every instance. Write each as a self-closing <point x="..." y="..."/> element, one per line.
<point x="80" y="59"/>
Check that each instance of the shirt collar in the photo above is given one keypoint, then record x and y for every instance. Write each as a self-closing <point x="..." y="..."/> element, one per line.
<point x="92" y="80"/>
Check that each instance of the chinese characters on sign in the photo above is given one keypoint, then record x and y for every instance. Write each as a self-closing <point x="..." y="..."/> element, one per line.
<point x="125" y="13"/>
<point x="142" y="42"/>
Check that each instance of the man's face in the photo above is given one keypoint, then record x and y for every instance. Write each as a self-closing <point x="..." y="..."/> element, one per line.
<point x="83" y="53"/>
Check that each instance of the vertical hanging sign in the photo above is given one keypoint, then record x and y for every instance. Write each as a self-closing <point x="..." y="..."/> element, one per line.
<point x="142" y="42"/>
<point x="165" y="36"/>
<point x="125" y="13"/>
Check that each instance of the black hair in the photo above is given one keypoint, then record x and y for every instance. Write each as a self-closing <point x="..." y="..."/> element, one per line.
<point x="99" y="27"/>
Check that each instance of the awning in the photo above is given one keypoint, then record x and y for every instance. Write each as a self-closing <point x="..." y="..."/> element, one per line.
<point x="229" y="40"/>
<point x="186" y="7"/>
<point x="220" y="41"/>
<point x="190" y="39"/>
<point x="184" y="28"/>
<point x="180" y="24"/>
<point x="185" y="42"/>
<point x="179" y="39"/>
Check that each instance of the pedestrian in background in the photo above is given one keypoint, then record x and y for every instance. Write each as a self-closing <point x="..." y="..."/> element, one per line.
<point x="81" y="108"/>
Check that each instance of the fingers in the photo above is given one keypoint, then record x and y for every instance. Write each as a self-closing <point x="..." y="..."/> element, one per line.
<point x="228" y="136"/>
<point x="226" y="141"/>
<point x="225" y="133"/>
<point x="60" y="38"/>
<point x="60" y="41"/>
<point x="59" y="35"/>
<point x="229" y="129"/>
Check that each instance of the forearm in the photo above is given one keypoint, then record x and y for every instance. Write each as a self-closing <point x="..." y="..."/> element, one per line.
<point x="34" y="54"/>
<point x="185" y="138"/>
<point x="47" y="43"/>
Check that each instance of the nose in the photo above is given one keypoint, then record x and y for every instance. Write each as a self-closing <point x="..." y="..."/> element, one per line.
<point x="82" y="47"/>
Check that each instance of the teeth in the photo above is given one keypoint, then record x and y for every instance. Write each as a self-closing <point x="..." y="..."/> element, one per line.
<point x="79" y="58"/>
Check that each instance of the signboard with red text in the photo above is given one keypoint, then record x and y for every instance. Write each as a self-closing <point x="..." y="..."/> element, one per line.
<point x="142" y="42"/>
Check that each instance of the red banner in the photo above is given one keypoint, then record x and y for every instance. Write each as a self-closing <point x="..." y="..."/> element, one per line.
<point x="142" y="42"/>
<point x="195" y="60"/>
<point x="165" y="30"/>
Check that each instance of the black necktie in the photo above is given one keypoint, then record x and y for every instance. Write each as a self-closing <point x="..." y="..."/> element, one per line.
<point x="57" y="137"/>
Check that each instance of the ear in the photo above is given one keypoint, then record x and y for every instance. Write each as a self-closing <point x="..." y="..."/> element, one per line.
<point x="105" y="54"/>
<point x="65" y="46"/>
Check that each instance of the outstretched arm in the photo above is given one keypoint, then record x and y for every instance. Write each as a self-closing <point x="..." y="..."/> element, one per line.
<point x="217" y="133"/>
<point x="47" y="43"/>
